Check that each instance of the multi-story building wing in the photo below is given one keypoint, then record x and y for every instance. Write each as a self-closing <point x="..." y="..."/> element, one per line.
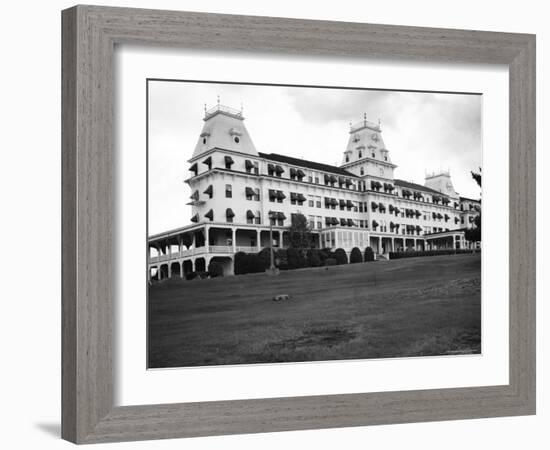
<point x="237" y="194"/>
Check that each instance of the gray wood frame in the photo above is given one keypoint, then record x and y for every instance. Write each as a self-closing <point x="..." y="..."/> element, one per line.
<point x="89" y="36"/>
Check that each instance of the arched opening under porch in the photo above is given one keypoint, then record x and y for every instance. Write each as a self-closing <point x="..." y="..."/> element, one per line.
<point x="175" y="269"/>
<point x="163" y="272"/>
<point x="200" y="265"/>
<point x="226" y="262"/>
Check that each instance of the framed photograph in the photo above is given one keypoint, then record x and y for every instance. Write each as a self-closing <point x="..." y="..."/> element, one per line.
<point x="278" y="224"/>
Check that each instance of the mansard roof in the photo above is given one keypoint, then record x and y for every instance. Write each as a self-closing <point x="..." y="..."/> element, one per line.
<point x="416" y="187"/>
<point x="307" y="164"/>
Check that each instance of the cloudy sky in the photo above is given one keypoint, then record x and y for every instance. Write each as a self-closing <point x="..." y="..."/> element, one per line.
<point x="424" y="132"/>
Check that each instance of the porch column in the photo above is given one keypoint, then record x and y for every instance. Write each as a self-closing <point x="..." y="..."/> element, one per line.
<point x="193" y="240"/>
<point x="234" y="239"/>
<point x="258" y="236"/>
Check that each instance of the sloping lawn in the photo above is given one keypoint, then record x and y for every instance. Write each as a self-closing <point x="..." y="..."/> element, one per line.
<point x="410" y="307"/>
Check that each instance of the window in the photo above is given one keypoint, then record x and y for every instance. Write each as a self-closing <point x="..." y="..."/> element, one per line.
<point x="318" y="202"/>
<point x="311" y="221"/>
<point x="385" y="158"/>
<point x="360" y="154"/>
<point x="319" y="222"/>
<point x="362" y="171"/>
<point x="252" y="194"/>
<point x="204" y="140"/>
<point x="347" y="158"/>
<point x="316" y="180"/>
<point x="311" y="201"/>
<point x="373" y="155"/>
<point x="258" y="218"/>
<point x="381" y="171"/>
<point x="236" y="139"/>
<point x="228" y="191"/>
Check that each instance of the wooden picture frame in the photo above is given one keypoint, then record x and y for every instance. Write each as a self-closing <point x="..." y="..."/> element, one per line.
<point x="90" y="34"/>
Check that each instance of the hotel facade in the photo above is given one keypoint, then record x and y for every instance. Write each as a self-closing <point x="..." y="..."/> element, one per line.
<point x="237" y="194"/>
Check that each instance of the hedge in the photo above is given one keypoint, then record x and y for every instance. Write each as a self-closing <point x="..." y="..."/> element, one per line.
<point x="369" y="254"/>
<point x="355" y="256"/>
<point x="241" y="263"/>
<point x="215" y="269"/>
<point x="330" y="262"/>
<point x="414" y="254"/>
<point x="314" y="258"/>
<point x="341" y="256"/>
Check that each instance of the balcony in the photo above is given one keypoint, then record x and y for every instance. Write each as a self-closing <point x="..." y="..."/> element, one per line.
<point x="225" y="249"/>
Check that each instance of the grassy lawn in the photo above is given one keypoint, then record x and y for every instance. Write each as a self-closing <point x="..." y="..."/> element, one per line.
<point x="409" y="307"/>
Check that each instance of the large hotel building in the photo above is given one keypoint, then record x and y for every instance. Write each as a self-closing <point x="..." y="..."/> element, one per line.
<point x="237" y="191"/>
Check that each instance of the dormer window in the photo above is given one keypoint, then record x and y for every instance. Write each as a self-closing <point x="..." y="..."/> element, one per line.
<point x="347" y="158"/>
<point x="204" y="140"/>
<point x="360" y="154"/>
<point x="236" y="139"/>
<point x="362" y="171"/>
<point x="373" y="155"/>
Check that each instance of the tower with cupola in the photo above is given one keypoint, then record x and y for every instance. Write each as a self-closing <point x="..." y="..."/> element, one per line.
<point x="366" y="154"/>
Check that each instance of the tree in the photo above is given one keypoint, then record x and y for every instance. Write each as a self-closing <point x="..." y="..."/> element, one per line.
<point x="299" y="232"/>
<point x="341" y="256"/>
<point x="477" y="176"/>
<point x="355" y="256"/>
<point x="369" y="254"/>
<point x="474" y="234"/>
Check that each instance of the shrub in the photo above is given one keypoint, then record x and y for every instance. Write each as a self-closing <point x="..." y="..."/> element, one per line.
<point x="255" y="264"/>
<point x="191" y="275"/>
<point x="295" y="258"/>
<point x="330" y="262"/>
<point x="281" y="260"/>
<point x="369" y="254"/>
<point x="215" y="269"/>
<point x="341" y="256"/>
<point x="314" y="258"/>
<point x="241" y="263"/>
<point x="412" y="253"/>
<point x="355" y="256"/>
<point x="202" y="274"/>
<point x="264" y="257"/>
<point x="324" y="254"/>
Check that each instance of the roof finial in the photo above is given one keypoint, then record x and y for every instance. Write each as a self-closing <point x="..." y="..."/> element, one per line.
<point x="379" y="122"/>
<point x="365" y="117"/>
<point x="218" y="99"/>
<point x="205" y="109"/>
<point x="350" y="125"/>
<point x="241" y="107"/>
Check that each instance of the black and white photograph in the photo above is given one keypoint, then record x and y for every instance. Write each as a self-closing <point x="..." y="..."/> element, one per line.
<point x="290" y="224"/>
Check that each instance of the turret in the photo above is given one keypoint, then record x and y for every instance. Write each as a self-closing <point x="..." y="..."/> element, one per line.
<point x="224" y="129"/>
<point x="441" y="181"/>
<point x="366" y="154"/>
